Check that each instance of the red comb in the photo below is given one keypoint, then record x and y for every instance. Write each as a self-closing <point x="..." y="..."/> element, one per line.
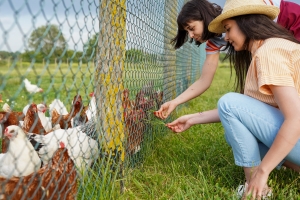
<point x="62" y="145"/>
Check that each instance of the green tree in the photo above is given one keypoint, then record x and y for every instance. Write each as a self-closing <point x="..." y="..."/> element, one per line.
<point x="90" y="47"/>
<point x="49" y="40"/>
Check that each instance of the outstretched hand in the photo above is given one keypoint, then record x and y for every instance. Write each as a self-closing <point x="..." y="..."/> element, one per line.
<point x="165" y="110"/>
<point x="181" y="124"/>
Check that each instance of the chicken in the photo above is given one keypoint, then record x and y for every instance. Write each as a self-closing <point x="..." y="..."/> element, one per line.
<point x="6" y="108"/>
<point x="92" y="107"/>
<point x="46" y="121"/>
<point x="32" y="122"/>
<point x="143" y="102"/>
<point x="58" y="106"/>
<point x="31" y="88"/>
<point x="80" y="118"/>
<point x="7" y="118"/>
<point x="135" y="126"/>
<point x="81" y="148"/>
<point x="64" y="120"/>
<point x="57" y="180"/>
<point x="21" y="159"/>
<point x="158" y="97"/>
<point x="126" y="102"/>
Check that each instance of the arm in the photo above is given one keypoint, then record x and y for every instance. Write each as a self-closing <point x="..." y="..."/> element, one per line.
<point x="203" y="83"/>
<point x="183" y="123"/>
<point x="197" y="88"/>
<point x="288" y="135"/>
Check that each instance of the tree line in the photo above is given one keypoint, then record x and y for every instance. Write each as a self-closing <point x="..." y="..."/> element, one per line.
<point x="47" y="43"/>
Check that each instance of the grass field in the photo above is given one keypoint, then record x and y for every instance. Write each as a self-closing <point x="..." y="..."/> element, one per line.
<point x="61" y="81"/>
<point x="198" y="164"/>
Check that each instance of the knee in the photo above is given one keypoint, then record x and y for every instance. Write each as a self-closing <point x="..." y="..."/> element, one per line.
<point x="226" y="101"/>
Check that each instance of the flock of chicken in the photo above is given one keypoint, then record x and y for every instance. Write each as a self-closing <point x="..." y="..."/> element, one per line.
<point x="48" y="154"/>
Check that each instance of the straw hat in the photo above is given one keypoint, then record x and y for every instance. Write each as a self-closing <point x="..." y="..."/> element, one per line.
<point x="234" y="8"/>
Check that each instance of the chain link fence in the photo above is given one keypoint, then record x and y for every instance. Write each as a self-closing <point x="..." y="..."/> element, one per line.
<point x="79" y="81"/>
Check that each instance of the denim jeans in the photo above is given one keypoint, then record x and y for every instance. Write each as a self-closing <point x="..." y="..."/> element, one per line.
<point x="250" y="129"/>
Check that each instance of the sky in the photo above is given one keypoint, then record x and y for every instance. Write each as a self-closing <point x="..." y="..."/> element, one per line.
<point x="219" y="2"/>
<point x="18" y="18"/>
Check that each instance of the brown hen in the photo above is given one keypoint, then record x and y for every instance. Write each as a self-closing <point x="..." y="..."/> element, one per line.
<point x="8" y="118"/>
<point x="65" y="120"/>
<point x="57" y="180"/>
<point x="32" y="122"/>
<point x="135" y="126"/>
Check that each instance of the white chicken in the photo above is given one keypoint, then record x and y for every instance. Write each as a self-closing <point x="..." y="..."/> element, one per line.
<point x="81" y="148"/>
<point x="6" y="108"/>
<point x="21" y="159"/>
<point x="91" y="111"/>
<point x="46" y="121"/>
<point x="58" y="106"/>
<point x="31" y="88"/>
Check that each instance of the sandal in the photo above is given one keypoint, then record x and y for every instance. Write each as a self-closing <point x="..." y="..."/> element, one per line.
<point x="267" y="193"/>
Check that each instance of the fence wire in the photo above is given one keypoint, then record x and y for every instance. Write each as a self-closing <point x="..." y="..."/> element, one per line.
<point x="79" y="81"/>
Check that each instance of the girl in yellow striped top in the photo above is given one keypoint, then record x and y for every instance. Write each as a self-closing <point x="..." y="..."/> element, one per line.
<point x="262" y="121"/>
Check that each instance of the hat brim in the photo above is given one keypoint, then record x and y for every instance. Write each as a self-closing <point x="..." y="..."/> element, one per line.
<point x="216" y="26"/>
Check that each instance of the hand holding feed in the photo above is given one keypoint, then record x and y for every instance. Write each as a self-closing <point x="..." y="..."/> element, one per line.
<point x="165" y="109"/>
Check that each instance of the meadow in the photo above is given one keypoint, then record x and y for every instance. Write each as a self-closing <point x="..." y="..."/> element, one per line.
<point x="61" y="80"/>
<point x="198" y="163"/>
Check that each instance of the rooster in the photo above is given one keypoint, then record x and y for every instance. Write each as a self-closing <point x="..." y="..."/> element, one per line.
<point x="81" y="148"/>
<point x="7" y="118"/>
<point x="21" y="159"/>
<point x="64" y="119"/>
<point x="57" y="180"/>
<point x="32" y="122"/>
<point x="31" y="88"/>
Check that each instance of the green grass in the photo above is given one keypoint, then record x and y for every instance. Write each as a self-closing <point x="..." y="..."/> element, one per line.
<point x="198" y="164"/>
<point x="61" y="81"/>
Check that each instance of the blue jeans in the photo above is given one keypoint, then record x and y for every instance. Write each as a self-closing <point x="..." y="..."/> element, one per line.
<point x="250" y="129"/>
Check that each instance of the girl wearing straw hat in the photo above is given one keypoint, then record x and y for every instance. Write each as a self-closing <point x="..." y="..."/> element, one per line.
<point x="192" y="22"/>
<point x="262" y="122"/>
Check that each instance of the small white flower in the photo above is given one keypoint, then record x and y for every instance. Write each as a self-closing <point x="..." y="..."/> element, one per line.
<point x="7" y="100"/>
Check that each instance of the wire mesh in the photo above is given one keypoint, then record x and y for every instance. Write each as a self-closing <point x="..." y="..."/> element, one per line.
<point x="79" y="83"/>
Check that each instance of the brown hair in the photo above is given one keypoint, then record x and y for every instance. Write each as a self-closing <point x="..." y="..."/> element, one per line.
<point x="195" y="10"/>
<point x="254" y="27"/>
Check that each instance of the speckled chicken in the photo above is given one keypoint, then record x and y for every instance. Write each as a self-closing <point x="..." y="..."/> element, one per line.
<point x="57" y="180"/>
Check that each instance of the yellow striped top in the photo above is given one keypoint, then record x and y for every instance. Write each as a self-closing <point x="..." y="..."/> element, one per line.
<point x="275" y="62"/>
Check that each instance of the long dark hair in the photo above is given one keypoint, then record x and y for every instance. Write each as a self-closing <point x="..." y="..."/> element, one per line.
<point x="195" y="10"/>
<point x="254" y="27"/>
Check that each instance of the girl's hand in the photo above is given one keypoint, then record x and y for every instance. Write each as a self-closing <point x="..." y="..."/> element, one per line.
<point x="257" y="188"/>
<point x="181" y="124"/>
<point x="165" y="109"/>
